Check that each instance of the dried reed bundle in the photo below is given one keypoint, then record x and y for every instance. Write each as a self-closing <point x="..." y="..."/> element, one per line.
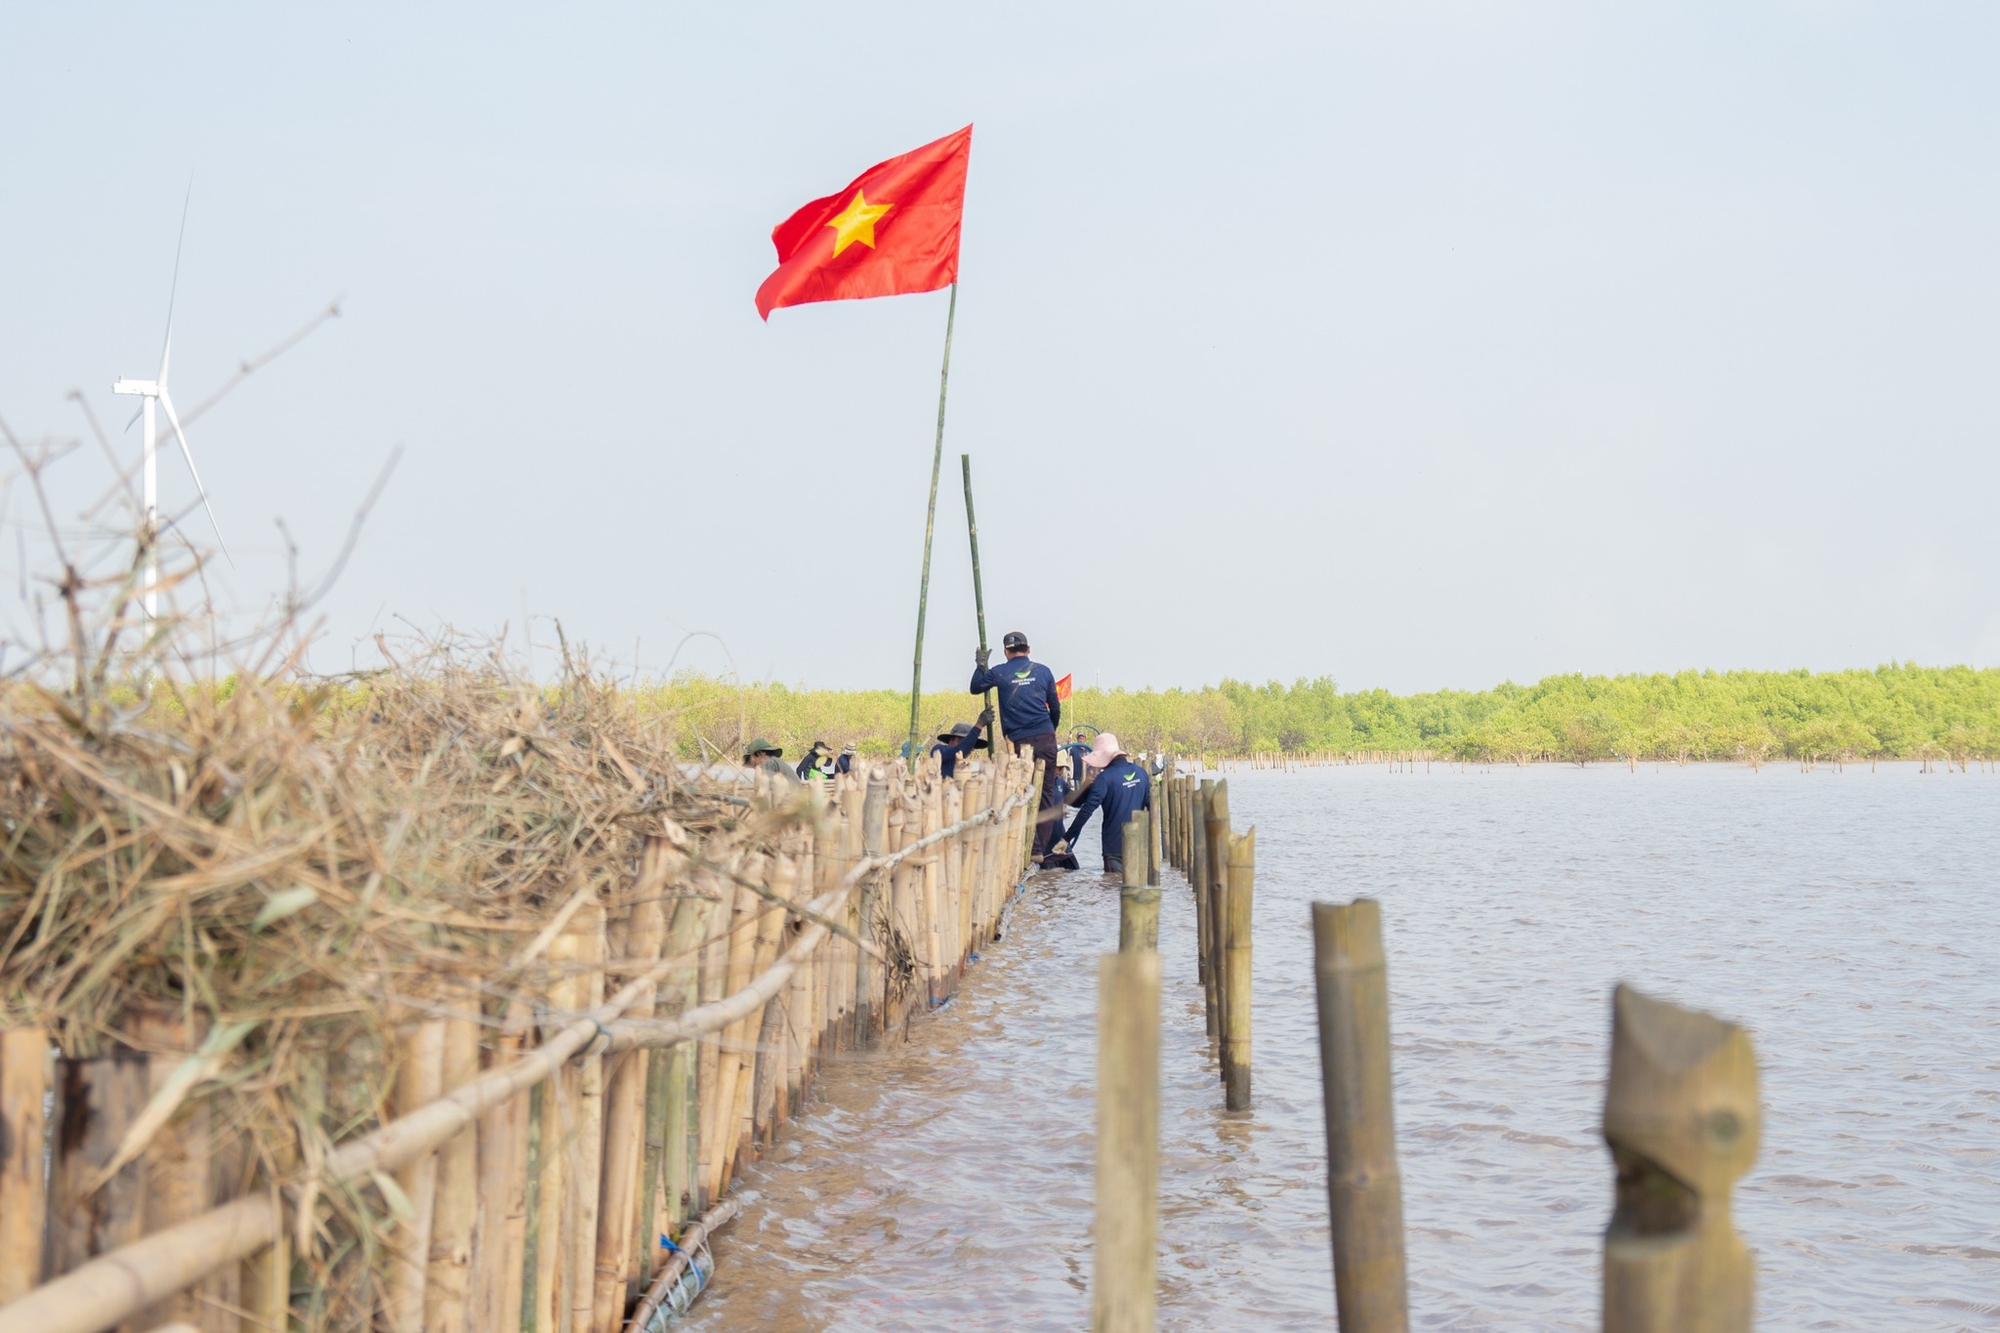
<point x="293" y="866"/>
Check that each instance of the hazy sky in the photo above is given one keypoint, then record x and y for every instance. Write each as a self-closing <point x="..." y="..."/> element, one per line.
<point x="1414" y="344"/>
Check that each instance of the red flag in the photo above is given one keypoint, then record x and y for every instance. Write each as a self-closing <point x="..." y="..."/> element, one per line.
<point x="1062" y="689"/>
<point x="893" y="230"/>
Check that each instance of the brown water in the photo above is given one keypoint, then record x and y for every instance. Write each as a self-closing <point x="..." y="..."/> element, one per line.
<point x="1851" y="920"/>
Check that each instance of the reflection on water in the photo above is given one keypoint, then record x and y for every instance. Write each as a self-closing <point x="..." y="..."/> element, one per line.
<point x="1852" y="921"/>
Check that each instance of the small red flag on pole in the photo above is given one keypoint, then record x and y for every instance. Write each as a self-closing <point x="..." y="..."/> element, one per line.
<point x="891" y="231"/>
<point x="1062" y="689"/>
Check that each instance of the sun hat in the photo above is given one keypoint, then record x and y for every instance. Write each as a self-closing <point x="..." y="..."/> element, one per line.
<point x="956" y="731"/>
<point x="762" y="746"/>
<point x="1102" y="752"/>
<point x="847" y="748"/>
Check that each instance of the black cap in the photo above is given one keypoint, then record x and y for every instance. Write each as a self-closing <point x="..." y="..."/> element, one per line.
<point x="1014" y="639"/>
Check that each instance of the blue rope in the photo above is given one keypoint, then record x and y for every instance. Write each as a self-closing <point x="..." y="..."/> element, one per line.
<point x="694" y="1264"/>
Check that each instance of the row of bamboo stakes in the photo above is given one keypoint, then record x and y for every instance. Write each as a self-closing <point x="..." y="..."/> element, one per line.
<point x="1289" y="761"/>
<point x="1221" y="867"/>
<point x="537" y="1153"/>
<point x="1681" y="1112"/>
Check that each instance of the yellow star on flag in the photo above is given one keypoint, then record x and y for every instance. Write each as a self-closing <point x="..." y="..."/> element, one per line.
<point x="857" y="223"/>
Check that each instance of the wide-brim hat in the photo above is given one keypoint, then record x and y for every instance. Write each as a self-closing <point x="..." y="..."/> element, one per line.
<point x="957" y="731"/>
<point x="1102" y="751"/>
<point x="762" y="746"/>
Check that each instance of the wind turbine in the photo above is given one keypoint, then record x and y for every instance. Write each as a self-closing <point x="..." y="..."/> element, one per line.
<point x="151" y="392"/>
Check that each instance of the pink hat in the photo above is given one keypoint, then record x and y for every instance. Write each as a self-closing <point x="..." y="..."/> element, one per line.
<point x="1102" y="752"/>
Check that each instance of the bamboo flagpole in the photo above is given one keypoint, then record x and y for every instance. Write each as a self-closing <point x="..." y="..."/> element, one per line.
<point x="979" y="593"/>
<point x="930" y="526"/>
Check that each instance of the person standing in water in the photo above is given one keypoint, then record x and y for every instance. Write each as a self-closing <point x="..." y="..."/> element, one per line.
<point x="1120" y="787"/>
<point x="1030" y="712"/>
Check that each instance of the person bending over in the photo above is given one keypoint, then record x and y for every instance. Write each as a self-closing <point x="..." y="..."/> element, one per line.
<point x="1120" y="787"/>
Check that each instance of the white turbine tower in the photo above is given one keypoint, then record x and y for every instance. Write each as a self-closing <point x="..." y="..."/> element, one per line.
<point x="151" y="392"/>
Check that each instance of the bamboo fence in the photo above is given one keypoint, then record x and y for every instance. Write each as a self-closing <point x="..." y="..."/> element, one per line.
<point x="436" y="1015"/>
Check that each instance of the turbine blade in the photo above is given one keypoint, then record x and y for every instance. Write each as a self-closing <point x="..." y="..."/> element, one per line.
<point x="174" y="287"/>
<point x="188" y="454"/>
<point x="135" y="417"/>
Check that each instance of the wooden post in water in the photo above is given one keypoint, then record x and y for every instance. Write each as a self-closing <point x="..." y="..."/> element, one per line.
<point x="1212" y="851"/>
<point x="1236" y="973"/>
<point x="1128" y="1142"/>
<point x="1682" y="1119"/>
<point x="1197" y="873"/>
<point x="24" y="1081"/>
<point x="1155" y="836"/>
<point x="1364" y="1187"/>
<point x="1138" y="901"/>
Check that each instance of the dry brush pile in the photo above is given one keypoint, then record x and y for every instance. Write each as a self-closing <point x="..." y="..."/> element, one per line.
<point x="273" y="869"/>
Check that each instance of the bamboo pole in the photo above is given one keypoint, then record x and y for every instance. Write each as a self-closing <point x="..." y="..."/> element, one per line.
<point x="1236" y="1013"/>
<point x="1682" y="1119"/>
<point x="752" y="1032"/>
<point x="454" y="1219"/>
<point x="1364" y="1186"/>
<point x="562" y="1123"/>
<point x="587" y="1142"/>
<point x="1215" y="843"/>
<point x="178" y="1161"/>
<point x="1128" y="1143"/>
<point x="419" y="1082"/>
<point x="799" y="1006"/>
<point x="933" y="923"/>
<point x="714" y="984"/>
<point x="679" y="1158"/>
<point x="930" y="524"/>
<point x="264" y="1278"/>
<point x="625" y="1125"/>
<point x="952" y="880"/>
<point x="978" y="590"/>
<point x="97" y="1099"/>
<point x="719" y="1115"/>
<point x="501" y="1229"/>
<point x="904" y="882"/>
<point x="1155" y="837"/>
<point x="1138" y="902"/>
<point x="875" y="842"/>
<point x="1206" y="946"/>
<point x="24" y="1080"/>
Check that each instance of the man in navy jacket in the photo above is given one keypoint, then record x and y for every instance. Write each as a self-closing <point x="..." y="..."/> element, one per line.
<point x="1029" y="716"/>
<point x="1121" y="787"/>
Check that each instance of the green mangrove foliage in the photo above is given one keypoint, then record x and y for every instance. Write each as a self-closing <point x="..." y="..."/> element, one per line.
<point x="1895" y="711"/>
